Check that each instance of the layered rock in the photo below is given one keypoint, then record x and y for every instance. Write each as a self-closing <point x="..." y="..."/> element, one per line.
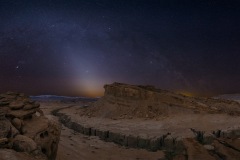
<point x="24" y="128"/>
<point x="129" y="101"/>
<point x="153" y="119"/>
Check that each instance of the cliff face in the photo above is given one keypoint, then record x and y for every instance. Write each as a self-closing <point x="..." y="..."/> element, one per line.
<point x="131" y="91"/>
<point x="130" y="101"/>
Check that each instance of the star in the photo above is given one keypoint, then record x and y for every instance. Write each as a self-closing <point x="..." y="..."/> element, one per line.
<point x="120" y="41"/>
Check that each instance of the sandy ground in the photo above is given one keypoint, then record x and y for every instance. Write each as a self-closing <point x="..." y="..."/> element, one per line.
<point x="75" y="146"/>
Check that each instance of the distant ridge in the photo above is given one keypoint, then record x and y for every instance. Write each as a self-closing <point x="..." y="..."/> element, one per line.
<point x="234" y="97"/>
<point x="61" y="98"/>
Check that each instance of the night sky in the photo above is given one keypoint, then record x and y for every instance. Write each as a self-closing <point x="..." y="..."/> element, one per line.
<point x="74" y="47"/>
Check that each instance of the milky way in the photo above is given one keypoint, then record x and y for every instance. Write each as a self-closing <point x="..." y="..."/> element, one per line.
<point x="75" y="47"/>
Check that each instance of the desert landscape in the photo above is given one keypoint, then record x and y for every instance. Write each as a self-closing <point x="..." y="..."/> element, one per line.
<point x="128" y="122"/>
<point x="119" y="80"/>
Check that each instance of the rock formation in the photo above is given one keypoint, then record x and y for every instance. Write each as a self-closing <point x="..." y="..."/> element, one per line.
<point x="25" y="129"/>
<point x="153" y="119"/>
<point x="129" y="101"/>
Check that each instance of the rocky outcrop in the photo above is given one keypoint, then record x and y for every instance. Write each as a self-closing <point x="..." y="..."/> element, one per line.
<point x="23" y="143"/>
<point x="25" y="129"/>
<point x="123" y="101"/>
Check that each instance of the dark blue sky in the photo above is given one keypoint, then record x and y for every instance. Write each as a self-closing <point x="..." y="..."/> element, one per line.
<point x="74" y="47"/>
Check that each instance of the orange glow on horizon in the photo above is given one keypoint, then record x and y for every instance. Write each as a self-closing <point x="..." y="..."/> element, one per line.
<point x="93" y="94"/>
<point x="187" y="93"/>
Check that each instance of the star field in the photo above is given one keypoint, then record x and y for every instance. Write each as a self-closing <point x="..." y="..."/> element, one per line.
<point x="74" y="47"/>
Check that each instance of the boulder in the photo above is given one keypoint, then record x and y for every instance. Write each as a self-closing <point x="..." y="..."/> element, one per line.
<point x="13" y="131"/>
<point x="16" y="122"/>
<point x="16" y="105"/>
<point x="24" y="144"/>
<point x="4" y="102"/>
<point x="22" y="114"/>
<point x="31" y="106"/>
<point x="2" y="114"/>
<point x="3" y="141"/>
<point x="4" y="128"/>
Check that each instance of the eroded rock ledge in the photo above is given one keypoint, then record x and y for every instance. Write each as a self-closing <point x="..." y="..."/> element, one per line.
<point x="24" y="129"/>
<point x="128" y="102"/>
<point x="201" y="144"/>
<point x="131" y="141"/>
